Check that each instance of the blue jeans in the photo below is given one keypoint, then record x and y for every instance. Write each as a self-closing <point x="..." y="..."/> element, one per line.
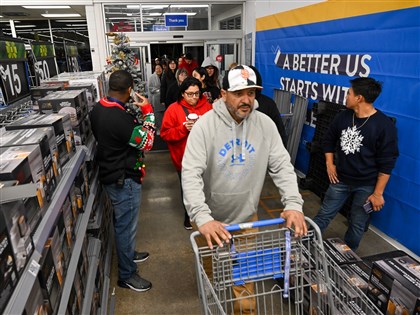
<point x="334" y="199"/>
<point x="126" y="202"/>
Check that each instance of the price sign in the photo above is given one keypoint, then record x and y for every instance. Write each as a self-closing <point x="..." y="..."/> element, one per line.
<point x="45" y="67"/>
<point x="13" y="70"/>
<point x="72" y="58"/>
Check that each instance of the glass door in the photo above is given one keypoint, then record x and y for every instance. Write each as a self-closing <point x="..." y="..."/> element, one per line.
<point x="196" y="50"/>
<point x="144" y="65"/>
<point x="224" y="53"/>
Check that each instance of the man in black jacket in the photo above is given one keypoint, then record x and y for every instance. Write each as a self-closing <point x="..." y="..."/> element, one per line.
<point x="268" y="106"/>
<point x="121" y="142"/>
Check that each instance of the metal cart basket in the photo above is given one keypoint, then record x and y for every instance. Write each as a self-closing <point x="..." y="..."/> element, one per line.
<point x="269" y="271"/>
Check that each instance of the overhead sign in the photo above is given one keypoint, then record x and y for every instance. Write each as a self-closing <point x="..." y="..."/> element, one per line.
<point x="179" y="20"/>
<point x="159" y="28"/>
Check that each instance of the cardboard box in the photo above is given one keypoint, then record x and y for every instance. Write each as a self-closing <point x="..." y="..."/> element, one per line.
<point x="45" y="138"/>
<point x="340" y="252"/>
<point x="8" y="273"/>
<point x="38" y="92"/>
<point x="24" y="165"/>
<point x="59" y="100"/>
<point x="393" y="289"/>
<point x="14" y="221"/>
<point x="62" y="129"/>
<point x="83" y="131"/>
<point x="48" y="279"/>
<point x="358" y="274"/>
<point x="91" y="91"/>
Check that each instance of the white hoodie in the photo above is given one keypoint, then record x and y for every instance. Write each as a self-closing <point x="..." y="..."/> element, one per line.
<point x="225" y="163"/>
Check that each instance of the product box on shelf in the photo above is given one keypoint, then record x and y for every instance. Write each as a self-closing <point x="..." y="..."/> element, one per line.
<point x="91" y="92"/>
<point x="45" y="138"/>
<point x="48" y="280"/>
<point x="62" y="129"/>
<point x="69" y="221"/>
<point x="82" y="131"/>
<point x="38" y="92"/>
<point x="14" y="217"/>
<point x="24" y="165"/>
<point x="393" y="288"/>
<point x="358" y="274"/>
<point x="36" y="304"/>
<point x="340" y="252"/>
<point x="8" y="273"/>
<point x="75" y="99"/>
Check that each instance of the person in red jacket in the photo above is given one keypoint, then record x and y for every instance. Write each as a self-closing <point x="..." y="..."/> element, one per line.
<point x="188" y="64"/>
<point x="178" y="121"/>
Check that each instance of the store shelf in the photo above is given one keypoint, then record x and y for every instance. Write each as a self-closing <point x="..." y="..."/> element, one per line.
<point x="81" y="232"/>
<point x="23" y="289"/>
<point x="93" y="253"/>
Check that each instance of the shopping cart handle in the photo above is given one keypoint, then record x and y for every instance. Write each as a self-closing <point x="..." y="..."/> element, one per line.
<point x="255" y="224"/>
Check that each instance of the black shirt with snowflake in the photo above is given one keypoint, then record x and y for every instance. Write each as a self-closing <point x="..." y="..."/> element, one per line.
<point x="363" y="149"/>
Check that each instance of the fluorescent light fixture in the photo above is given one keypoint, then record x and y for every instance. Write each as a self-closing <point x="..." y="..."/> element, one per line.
<point x="182" y="13"/>
<point x="46" y="6"/>
<point x="1" y="16"/>
<point x="153" y="14"/>
<point x="70" y="21"/>
<point x="23" y="26"/>
<point x="132" y="6"/>
<point x="47" y="15"/>
<point x="151" y="7"/>
<point x="189" y="6"/>
<point x="76" y="25"/>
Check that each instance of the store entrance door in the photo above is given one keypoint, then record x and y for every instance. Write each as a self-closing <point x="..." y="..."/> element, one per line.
<point x="196" y="50"/>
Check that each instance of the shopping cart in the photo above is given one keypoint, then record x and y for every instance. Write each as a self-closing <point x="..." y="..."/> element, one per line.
<point x="269" y="271"/>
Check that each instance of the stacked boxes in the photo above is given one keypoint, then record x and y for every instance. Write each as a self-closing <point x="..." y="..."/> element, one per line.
<point x="340" y="252"/>
<point x="91" y="92"/>
<point x="24" y="165"/>
<point x="394" y="286"/>
<point x="62" y="129"/>
<point x="44" y="137"/>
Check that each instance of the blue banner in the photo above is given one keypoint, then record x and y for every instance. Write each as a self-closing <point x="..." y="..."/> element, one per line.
<point x="317" y="60"/>
<point x="178" y="20"/>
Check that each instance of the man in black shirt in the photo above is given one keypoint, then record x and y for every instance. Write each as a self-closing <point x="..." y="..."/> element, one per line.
<point x="122" y="139"/>
<point x="364" y="141"/>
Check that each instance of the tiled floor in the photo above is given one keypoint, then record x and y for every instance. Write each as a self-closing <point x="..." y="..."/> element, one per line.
<point x="171" y="264"/>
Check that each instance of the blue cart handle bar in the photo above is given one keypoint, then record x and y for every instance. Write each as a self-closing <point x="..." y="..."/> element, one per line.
<point x="255" y="224"/>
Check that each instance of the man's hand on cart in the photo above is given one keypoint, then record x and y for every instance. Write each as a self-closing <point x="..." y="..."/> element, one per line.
<point x="296" y="219"/>
<point x="215" y="230"/>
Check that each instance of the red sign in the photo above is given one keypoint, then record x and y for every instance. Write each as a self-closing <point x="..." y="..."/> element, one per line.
<point x="219" y="58"/>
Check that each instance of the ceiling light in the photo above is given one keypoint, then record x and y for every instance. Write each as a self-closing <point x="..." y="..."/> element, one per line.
<point x="149" y="7"/>
<point x="76" y="25"/>
<point x="1" y="16"/>
<point x="189" y="6"/>
<point x="133" y="6"/>
<point x="70" y="21"/>
<point x="46" y="6"/>
<point x="153" y="14"/>
<point x="181" y="13"/>
<point x="23" y="26"/>
<point x="61" y="15"/>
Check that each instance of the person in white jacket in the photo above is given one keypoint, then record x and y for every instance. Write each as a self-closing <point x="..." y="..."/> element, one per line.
<point x="226" y="158"/>
<point x="154" y="95"/>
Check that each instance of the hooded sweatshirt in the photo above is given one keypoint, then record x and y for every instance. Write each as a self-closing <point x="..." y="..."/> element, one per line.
<point x="173" y="130"/>
<point x="225" y="163"/>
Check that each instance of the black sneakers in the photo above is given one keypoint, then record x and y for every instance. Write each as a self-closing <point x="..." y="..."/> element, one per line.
<point x="140" y="256"/>
<point x="187" y="224"/>
<point x="136" y="283"/>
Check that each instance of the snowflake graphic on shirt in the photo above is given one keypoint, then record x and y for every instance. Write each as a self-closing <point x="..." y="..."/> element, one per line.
<point x="351" y="140"/>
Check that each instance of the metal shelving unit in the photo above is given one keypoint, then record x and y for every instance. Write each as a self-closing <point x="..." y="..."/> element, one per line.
<point x="93" y="253"/>
<point x="23" y="289"/>
<point x="77" y="249"/>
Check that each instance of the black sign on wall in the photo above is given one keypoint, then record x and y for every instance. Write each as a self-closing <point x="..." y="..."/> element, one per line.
<point x="13" y="71"/>
<point x="44" y="63"/>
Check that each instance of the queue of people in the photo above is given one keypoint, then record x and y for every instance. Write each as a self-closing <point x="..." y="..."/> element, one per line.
<point x="222" y="136"/>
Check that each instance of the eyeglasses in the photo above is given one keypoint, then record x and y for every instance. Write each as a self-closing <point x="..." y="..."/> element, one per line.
<point x="196" y="94"/>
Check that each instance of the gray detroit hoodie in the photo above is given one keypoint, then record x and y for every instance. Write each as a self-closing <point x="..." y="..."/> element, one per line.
<point x="225" y="163"/>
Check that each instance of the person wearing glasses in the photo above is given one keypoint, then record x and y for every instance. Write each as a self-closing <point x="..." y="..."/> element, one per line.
<point x="178" y="121"/>
<point x="173" y="88"/>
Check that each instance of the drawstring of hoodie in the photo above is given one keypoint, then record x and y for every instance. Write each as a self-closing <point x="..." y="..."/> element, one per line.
<point x="243" y="148"/>
<point x="243" y="140"/>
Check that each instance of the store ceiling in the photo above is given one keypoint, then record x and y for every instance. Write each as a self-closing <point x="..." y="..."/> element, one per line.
<point x="30" y="24"/>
